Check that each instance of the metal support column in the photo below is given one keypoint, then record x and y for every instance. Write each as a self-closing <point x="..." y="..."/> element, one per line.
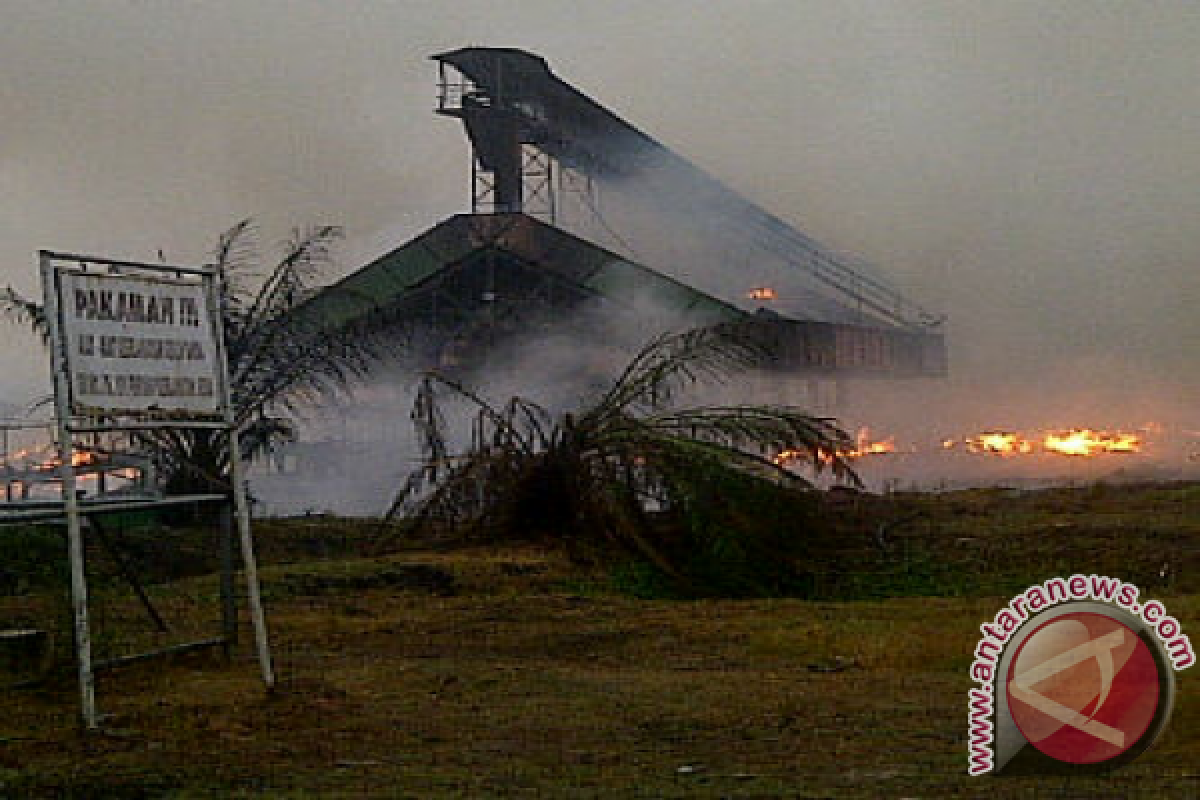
<point x="229" y="619"/>
<point x="249" y="563"/>
<point x="75" y="549"/>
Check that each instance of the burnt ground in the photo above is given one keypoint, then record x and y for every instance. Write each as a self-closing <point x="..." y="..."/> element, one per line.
<point x="502" y="671"/>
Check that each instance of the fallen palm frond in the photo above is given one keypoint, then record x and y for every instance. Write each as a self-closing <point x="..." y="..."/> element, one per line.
<point x="633" y="475"/>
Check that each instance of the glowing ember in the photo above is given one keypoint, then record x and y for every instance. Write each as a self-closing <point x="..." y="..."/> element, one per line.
<point x="785" y="457"/>
<point x="83" y="459"/>
<point x="762" y="293"/>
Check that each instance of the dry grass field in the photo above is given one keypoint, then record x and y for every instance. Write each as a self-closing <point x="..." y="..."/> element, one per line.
<point x="503" y="672"/>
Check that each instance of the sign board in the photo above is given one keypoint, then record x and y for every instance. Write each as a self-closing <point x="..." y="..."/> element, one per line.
<point x="138" y="347"/>
<point x="138" y="344"/>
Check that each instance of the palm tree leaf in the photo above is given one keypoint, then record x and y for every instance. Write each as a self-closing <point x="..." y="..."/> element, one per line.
<point x="673" y="361"/>
<point x="20" y="309"/>
<point x="593" y="476"/>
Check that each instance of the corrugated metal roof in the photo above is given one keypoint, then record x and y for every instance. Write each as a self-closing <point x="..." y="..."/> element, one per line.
<point x="387" y="279"/>
<point x="625" y="281"/>
<point x="402" y="281"/>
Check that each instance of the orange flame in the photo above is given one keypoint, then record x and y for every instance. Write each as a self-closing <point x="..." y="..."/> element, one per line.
<point x="83" y="458"/>
<point x="863" y="446"/>
<point x="42" y="460"/>
<point x="785" y="457"/>
<point x="1003" y="443"/>
<point x="1071" y="442"/>
<point x="1086" y="442"/>
<point x="762" y="293"/>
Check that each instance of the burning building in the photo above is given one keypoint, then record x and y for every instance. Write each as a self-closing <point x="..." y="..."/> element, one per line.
<point x="512" y="266"/>
<point x="475" y="280"/>
<point x="520" y="266"/>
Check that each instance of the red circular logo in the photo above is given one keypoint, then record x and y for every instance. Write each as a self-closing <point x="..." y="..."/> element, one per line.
<point x="1083" y="688"/>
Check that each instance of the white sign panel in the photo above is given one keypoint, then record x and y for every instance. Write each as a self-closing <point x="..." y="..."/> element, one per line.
<point x="138" y="344"/>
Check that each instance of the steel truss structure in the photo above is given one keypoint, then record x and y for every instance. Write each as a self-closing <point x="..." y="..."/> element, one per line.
<point x="511" y="105"/>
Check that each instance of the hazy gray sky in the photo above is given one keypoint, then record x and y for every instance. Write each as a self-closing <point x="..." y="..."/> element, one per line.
<point x="1032" y="168"/>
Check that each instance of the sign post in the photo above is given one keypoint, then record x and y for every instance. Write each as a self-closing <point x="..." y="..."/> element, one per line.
<point x="241" y="505"/>
<point x="138" y="347"/>
<point x="66" y="454"/>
